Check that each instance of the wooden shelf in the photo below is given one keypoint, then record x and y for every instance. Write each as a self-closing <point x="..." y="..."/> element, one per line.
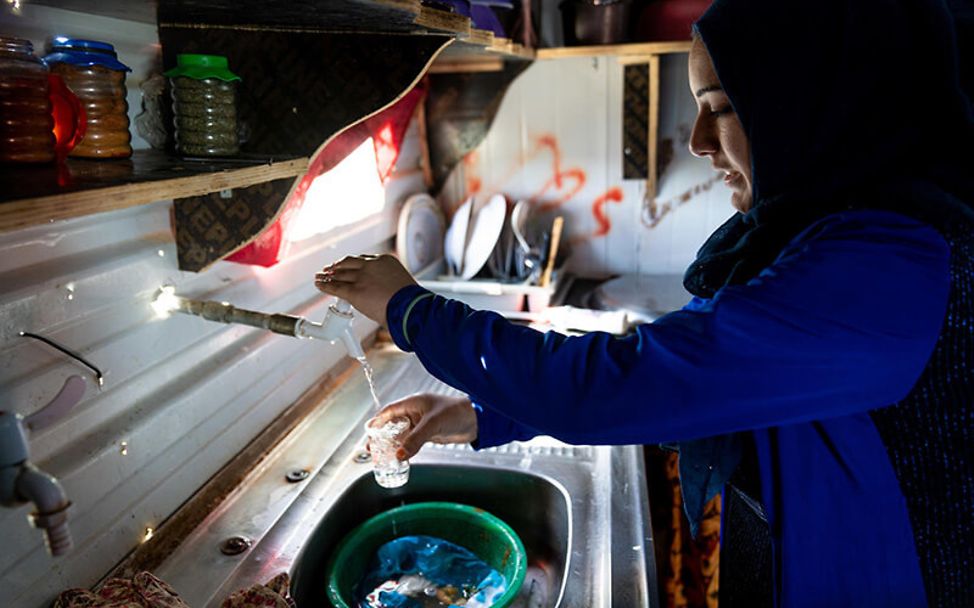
<point x="309" y="16"/>
<point x="373" y="16"/>
<point x="619" y="50"/>
<point x="509" y="48"/>
<point x="487" y="54"/>
<point x="474" y="54"/>
<point x="361" y="16"/>
<point x="31" y="195"/>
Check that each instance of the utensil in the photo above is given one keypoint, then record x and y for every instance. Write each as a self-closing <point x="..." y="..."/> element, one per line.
<point x="456" y="236"/>
<point x="556" y="229"/>
<point x="420" y="233"/>
<point x="527" y="259"/>
<point x="487" y="226"/>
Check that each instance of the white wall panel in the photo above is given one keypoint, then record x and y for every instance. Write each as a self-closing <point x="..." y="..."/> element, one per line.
<point x="578" y="104"/>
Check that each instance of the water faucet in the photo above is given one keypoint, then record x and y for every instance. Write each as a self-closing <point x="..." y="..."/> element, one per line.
<point x="337" y="325"/>
<point x="22" y="482"/>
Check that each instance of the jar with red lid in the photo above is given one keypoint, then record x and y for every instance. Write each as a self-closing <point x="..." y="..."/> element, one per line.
<point x="93" y="72"/>
<point x="26" y="124"/>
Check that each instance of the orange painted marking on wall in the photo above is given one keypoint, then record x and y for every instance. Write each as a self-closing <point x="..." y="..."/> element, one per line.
<point x="598" y="210"/>
<point x="558" y="176"/>
<point x="551" y="142"/>
<point x="561" y="186"/>
<point x="557" y="181"/>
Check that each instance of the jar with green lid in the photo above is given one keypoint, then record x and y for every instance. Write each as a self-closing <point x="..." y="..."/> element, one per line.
<point x="26" y="124"/>
<point x="204" y="95"/>
<point x="92" y="71"/>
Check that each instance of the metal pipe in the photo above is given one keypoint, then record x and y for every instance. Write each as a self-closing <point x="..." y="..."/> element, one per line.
<point x="224" y="312"/>
<point x="336" y="326"/>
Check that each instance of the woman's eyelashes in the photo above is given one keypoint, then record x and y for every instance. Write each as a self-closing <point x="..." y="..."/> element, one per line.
<point x="722" y="110"/>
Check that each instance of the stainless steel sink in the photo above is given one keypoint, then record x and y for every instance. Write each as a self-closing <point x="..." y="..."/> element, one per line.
<point x="581" y="511"/>
<point x="536" y="507"/>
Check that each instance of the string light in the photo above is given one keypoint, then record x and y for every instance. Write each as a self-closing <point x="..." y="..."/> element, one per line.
<point x="165" y="302"/>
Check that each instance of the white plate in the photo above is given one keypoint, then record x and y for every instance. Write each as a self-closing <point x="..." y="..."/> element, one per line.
<point x="456" y="236"/>
<point x="488" y="224"/>
<point x="419" y="238"/>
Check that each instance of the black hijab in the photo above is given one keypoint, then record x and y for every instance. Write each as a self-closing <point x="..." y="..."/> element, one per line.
<point x="846" y="104"/>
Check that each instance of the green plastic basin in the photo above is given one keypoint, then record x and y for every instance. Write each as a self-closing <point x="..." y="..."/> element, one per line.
<point x="486" y="536"/>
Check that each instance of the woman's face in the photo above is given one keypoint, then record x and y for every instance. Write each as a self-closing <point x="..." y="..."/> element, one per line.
<point x="717" y="132"/>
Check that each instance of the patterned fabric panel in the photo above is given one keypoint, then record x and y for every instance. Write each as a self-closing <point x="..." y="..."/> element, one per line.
<point x="635" y="122"/>
<point x="929" y="437"/>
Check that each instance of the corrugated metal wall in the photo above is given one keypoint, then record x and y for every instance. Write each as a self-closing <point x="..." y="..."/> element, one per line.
<point x="181" y="395"/>
<point x="558" y="137"/>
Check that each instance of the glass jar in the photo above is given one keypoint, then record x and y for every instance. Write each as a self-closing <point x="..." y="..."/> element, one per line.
<point x="26" y="124"/>
<point x="93" y="72"/>
<point x="204" y="95"/>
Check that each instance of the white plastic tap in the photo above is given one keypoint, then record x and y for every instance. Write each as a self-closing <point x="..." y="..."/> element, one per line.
<point x="337" y="325"/>
<point x="22" y="482"/>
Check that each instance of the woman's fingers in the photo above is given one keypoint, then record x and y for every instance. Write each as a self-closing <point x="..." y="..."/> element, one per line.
<point x="350" y="262"/>
<point x="343" y="275"/>
<point x="415" y="439"/>
<point x="412" y="407"/>
<point x="367" y="282"/>
<point x="436" y="418"/>
<point x="417" y="409"/>
<point x="337" y="289"/>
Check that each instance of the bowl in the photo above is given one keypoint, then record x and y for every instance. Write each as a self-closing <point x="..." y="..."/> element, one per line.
<point x="486" y="536"/>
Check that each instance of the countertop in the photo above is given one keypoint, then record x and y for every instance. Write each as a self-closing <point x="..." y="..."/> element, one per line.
<point x="609" y="557"/>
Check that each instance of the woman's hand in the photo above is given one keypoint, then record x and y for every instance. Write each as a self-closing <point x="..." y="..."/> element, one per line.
<point x="436" y="418"/>
<point x="367" y="282"/>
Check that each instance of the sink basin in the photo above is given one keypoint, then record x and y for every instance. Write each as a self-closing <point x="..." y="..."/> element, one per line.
<point x="537" y="508"/>
<point x="581" y="511"/>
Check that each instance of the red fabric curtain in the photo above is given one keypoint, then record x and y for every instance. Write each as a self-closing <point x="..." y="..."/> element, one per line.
<point x="387" y="130"/>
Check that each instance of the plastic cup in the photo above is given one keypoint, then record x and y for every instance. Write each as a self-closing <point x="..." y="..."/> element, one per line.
<point x="384" y="442"/>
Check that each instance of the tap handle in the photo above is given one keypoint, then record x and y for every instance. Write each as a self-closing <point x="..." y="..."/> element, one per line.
<point x="69" y="396"/>
<point x="13" y="450"/>
<point x="342" y="306"/>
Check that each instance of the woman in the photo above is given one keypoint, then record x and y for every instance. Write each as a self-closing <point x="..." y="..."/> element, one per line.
<point x="825" y="369"/>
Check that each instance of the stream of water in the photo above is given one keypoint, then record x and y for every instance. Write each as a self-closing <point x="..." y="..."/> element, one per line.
<point x="369" y="372"/>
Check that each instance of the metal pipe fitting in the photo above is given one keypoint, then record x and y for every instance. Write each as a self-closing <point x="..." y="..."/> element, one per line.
<point x="222" y="312"/>
<point x="352" y="345"/>
<point x="336" y="326"/>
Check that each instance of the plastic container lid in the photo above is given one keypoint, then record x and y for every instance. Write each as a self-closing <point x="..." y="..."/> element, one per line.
<point x="201" y="67"/>
<point x="84" y="53"/>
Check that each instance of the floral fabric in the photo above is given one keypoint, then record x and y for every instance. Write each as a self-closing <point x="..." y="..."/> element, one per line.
<point x="145" y="590"/>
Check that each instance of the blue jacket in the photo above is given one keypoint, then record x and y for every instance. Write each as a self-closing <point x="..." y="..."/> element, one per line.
<point x="842" y="322"/>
